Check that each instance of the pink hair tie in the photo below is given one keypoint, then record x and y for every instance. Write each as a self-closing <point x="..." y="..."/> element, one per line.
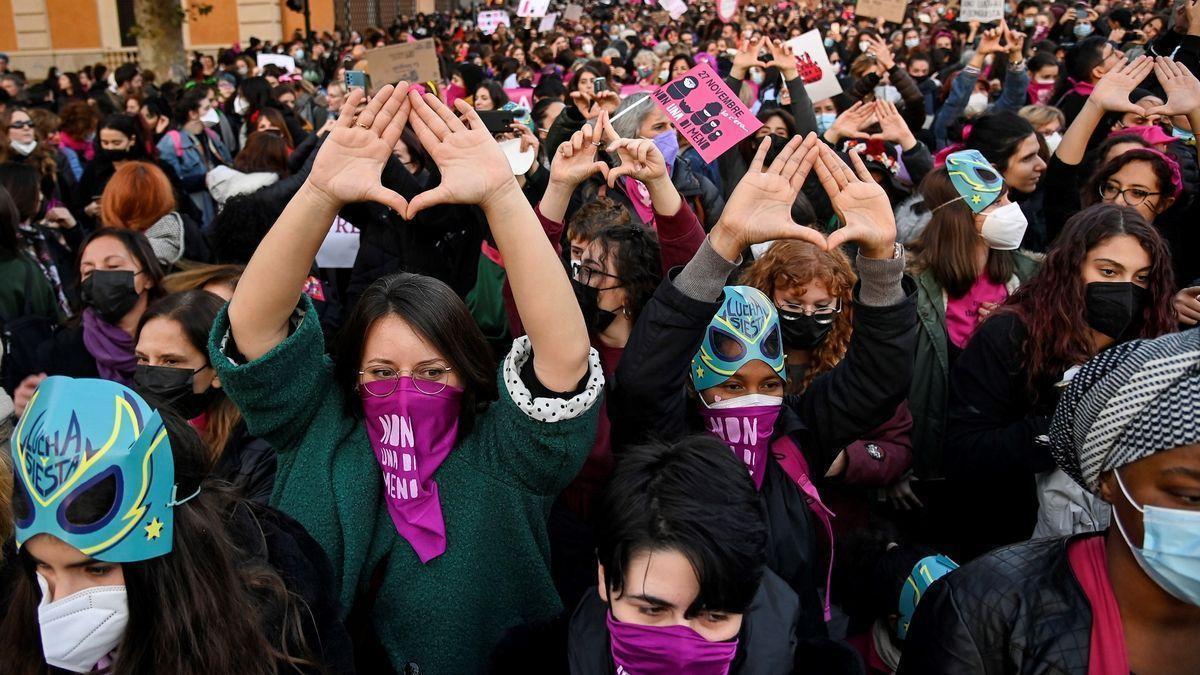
<point x="1172" y="164"/>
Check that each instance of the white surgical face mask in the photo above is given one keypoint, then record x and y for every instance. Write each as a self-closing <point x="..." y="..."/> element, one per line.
<point x="23" y="147"/>
<point x="912" y="42"/>
<point x="82" y="628"/>
<point x="1052" y="141"/>
<point x="976" y="105"/>
<point x="240" y="105"/>
<point x="747" y="401"/>
<point x="887" y="93"/>
<point x="1004" y="228"/>
<point x="210" y="118"/>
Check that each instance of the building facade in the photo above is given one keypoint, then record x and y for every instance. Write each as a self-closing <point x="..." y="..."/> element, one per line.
<point x="38" y="34"/>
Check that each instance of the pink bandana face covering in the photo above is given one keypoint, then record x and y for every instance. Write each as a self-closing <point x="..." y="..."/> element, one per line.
<point x="411" y="433"/>
<point x="666" y="650"/>
<point x="745" y="424"/>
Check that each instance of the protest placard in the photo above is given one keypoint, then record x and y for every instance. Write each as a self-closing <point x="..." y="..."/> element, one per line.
<point x="409" y="61"/>
<point x="675" y="8"/>
<point x="340" y="247"/>
<point x="981" y="10"/>
<point x="548" y="22"/>
<point x="727" y="10"/>
<point x="533" y="8"/>
<point x="812" y="62"/>
<point x="573" y="13"/>
<point x="489" y="20"/>
<point x="706" y="111"/>
<point x="888" y="10"/>
<point x="282" y="60"/>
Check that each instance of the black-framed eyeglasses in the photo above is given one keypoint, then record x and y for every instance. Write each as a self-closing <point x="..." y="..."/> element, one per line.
<point x="586" y="274"/>
<point x="822" y="315"/>
<point x="428" y="379"/>
<point x="1131" y="196"/>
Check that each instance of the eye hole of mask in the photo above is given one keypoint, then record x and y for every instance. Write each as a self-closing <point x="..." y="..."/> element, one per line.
<point x="987" y="175"/>
<point x="92" y="505"/>
<point x="772" y="346"/>
<point x="725" y="346"/>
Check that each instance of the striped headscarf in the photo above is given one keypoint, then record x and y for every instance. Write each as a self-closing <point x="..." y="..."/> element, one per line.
<point x="1129" y="402"/>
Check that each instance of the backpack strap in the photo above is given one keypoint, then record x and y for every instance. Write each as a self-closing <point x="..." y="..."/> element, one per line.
<point x="177" y="141"/>
<point x="788" y="454"/>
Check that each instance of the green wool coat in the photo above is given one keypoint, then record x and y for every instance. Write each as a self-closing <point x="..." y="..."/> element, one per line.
<point x="496" y="488"/>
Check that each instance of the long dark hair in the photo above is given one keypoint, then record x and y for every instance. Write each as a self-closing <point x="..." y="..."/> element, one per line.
<point x="440" y="317"/>
<point x="636" y="260"/>
<point x="23" y="186"/>
<point x="208" y="606"/>
<point x="946" y="246"/>
<point x="10" y="218"/>
<point x="1051" y="304"/>
<point x="194" y="312"/>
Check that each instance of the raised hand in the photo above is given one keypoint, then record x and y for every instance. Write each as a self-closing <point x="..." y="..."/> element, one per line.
<point x="350" y="162"/>
<point x="590" y="106"/>
<point x="760" y="208"/>
<point x="473" y="167"/>
<point x="1181" y="86"/>
<point x="850" y="124"/>
<point x="746" y="57"/>
<point x="640" y="158"/>
<point x="860" y="203"/>
<point x="880" y="50"/>
<point x="783" y="58"/>
<point x="1015" y="41"/>
<point x="576" y="158"/>
<point x="1112" y="91"/>
<point x="892" y="125"/>
<point x="989" y="42"/>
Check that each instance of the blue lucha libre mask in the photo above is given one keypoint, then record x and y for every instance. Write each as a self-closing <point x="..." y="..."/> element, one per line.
<point x="975" y="179"/>
<point x="927" y="570"/>
<point x="83" y="435"/>
<point x="745" y="328"/>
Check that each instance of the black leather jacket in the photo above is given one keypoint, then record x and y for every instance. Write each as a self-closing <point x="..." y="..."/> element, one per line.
<point x="1018" y="609"/>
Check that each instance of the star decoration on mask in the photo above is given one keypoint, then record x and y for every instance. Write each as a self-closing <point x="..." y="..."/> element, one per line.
<point x="976" y="198"/>
<point x="154" y="529"/>
<point x="699" y="372"/>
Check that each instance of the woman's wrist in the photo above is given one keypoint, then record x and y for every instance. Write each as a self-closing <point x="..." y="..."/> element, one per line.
<point x="501" y="199"/>
<point x="317" y="199"/>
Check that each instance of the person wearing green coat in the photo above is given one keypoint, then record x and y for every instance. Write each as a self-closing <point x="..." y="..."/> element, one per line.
<point x="425" y="475"/>
<point x="966" y="264"/>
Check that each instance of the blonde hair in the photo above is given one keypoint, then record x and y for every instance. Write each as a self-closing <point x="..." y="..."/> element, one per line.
<point x="1041" y="115"/>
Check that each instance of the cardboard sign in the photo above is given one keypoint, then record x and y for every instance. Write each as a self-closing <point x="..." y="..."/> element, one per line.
<point x="533" y="8"/>
<point x="820" y="78"/>
<point x="981" y="10"/>
<point x="548" y="22"/>
<point x="489" y="20"/>
<point x="573" y="13"/>
<point x="282" y="60"/>
<point x="522" y="96"/>
<point x="675" y="8"/>
<point x="888" y="10"/>
<point x="727" y="10"/>
<point x="409" y="61"/>
<point x="706" y="111"/>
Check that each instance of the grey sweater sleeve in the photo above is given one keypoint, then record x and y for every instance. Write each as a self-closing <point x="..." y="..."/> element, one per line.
<point x="879" y="280"/>
<point x="704" y="277"/>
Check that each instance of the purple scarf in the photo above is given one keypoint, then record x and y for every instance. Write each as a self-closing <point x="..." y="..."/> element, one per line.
<point x="111" y="347"/>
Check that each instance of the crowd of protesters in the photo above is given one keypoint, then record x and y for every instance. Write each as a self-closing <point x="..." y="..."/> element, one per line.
<point x="308" y="372"/>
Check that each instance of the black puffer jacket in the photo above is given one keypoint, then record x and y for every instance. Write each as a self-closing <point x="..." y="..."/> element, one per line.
<point x="650" y="400"/>
<point x="1016" y="610"/>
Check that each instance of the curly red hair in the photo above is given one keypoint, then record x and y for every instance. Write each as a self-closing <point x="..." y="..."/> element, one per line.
<point x="790" y="264"/>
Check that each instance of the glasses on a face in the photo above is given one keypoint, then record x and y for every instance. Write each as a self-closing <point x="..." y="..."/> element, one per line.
<point x="428" y="379"/>
<point x="822" y="315"/>
<point x="1132" y="196"/>
<point x="26" y="124"/>
<point x="586" y="275"/>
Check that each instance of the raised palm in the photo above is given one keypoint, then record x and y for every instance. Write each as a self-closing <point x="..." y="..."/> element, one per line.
<point x="859" y="201"/>
<point x="1181" y="86"/>
<point x="350" y="162"/>
<point x="473" y="167"/>
<point x="576" y="158"/>
<point x="1112" y="91"/>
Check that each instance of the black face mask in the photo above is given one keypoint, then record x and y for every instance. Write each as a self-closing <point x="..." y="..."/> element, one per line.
<point x="594" y="318"/>
<point x="175" y="387"/>
<point x="113" y="156"/>
<point x="802" y="332"/>
<point x="1112" y="307"/>
<point x="111" y="293"/>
